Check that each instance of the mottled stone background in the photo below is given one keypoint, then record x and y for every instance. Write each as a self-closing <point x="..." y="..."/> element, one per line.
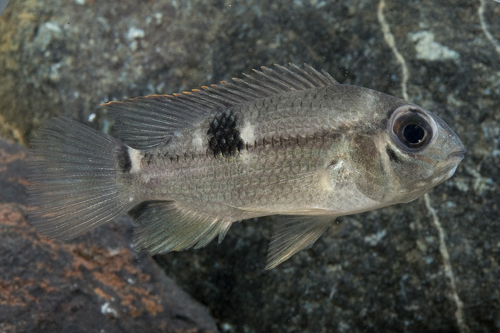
<point x="393" y="270"/>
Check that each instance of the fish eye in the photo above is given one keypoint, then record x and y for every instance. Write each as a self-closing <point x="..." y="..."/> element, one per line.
<point x="412" y="129"/>
<point x="413" y="133"/>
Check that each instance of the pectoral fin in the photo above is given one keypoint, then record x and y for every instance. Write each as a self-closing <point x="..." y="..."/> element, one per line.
<point x="165" y="226"/>
<point x="294" y="233"/>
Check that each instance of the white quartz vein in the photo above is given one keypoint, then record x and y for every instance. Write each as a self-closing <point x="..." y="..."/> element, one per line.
<point x="484" y="26"/>
<point x="389" y="38"/>
<point x="459" y="315"/>
<point x="448" y="270"/>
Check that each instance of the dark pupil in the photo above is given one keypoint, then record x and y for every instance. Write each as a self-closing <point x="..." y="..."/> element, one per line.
<point x="413" y="133"/>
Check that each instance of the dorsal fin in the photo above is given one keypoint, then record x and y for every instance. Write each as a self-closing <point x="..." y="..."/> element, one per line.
<point x="146" y="122"/>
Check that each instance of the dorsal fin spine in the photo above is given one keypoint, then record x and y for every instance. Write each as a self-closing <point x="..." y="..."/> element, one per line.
<point x="271" y="90"/>
<point x="253" y="86"/>
<point x="274" y="80"/>
<point x="332" y="80"/>
<point x="291" y="84"/>
<point x="318" y="76"/>
<point x="298" y="79"/>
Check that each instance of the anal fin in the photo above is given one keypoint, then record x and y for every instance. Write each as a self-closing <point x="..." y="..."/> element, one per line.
<point x="166" y="226"/>
<point x="294" y="233"/>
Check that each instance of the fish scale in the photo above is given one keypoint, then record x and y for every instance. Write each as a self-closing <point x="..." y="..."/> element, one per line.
<point x="288" y="141"/>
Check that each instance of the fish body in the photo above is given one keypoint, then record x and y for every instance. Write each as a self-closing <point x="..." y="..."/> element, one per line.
<point x="290" y="141"/>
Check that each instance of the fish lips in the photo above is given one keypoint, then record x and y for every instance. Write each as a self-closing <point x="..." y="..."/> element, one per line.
<point x="456" y="156"/>
<point x="448" y="166"/>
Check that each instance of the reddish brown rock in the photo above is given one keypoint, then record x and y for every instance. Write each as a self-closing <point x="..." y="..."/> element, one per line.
<point x="95" y="283"/>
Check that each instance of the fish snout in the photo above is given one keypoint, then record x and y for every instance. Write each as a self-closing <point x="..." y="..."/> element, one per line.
<point x="457" y="155"/>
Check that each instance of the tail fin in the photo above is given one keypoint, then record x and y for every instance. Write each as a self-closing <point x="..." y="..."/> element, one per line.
<point x="79" y="179"/>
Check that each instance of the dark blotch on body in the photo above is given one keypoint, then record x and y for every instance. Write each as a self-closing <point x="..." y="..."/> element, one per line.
<point x="124" y="162"/>
<point x="224" y="134"/>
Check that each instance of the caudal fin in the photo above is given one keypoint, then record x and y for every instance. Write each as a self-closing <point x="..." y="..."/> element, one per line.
<point x="79" y="179"/>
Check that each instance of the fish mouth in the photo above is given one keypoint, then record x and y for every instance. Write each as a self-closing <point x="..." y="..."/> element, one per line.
<point x="456" y="155"/>
<point x="447" y="167"/>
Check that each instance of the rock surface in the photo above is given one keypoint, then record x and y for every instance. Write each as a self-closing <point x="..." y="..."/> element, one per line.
<point x="395" y="269"/>
<point x="95" y="283"/>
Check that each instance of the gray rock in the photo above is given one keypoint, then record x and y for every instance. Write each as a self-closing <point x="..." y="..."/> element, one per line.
<point x="395" y="269"/>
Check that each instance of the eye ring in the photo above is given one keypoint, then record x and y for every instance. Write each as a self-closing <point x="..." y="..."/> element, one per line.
<point x="411" y="128"/>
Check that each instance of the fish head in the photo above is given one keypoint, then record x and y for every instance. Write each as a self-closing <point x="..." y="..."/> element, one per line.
<point x="426" y="151"/>
<point x="412" y="151"/>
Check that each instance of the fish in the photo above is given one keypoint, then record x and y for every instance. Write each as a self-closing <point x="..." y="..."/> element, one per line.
<point x="288" y="141"/>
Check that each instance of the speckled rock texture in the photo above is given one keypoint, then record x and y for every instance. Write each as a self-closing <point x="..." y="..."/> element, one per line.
<point x="95" y="283"/>
<point x="427" y="266"/>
